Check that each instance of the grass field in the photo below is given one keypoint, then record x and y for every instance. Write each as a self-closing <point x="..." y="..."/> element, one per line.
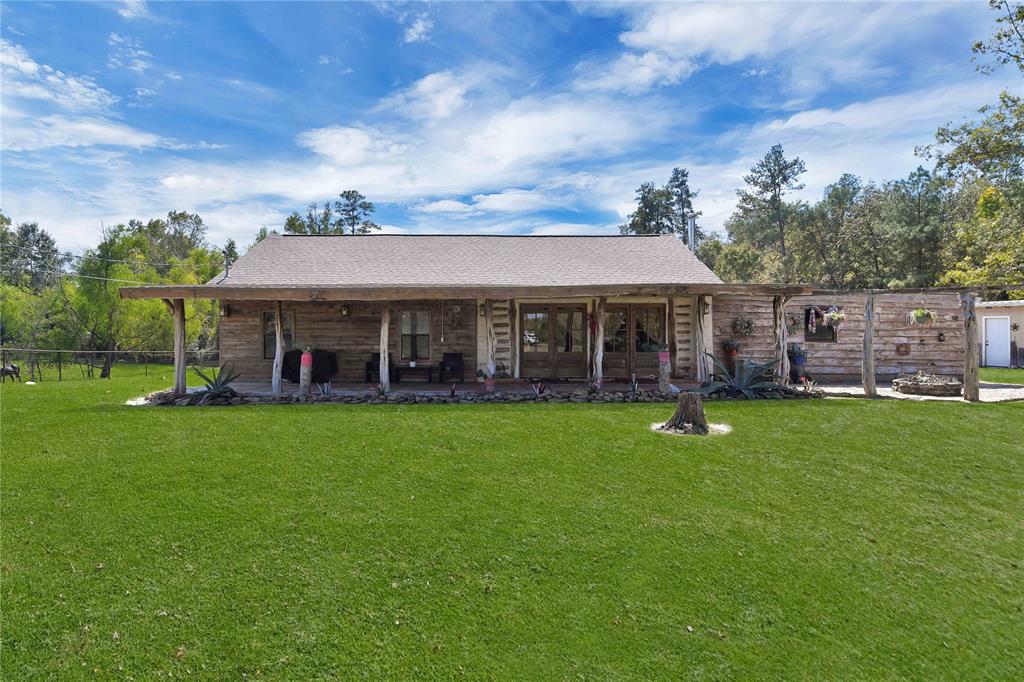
<point x="820" y="539"/>
<point x="999" y="375"/>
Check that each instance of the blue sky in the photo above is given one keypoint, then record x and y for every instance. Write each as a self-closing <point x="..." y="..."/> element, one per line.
<point x="460" y="117"/>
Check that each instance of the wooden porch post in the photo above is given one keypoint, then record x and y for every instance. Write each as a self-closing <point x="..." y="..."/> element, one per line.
<point x="702" y="338"/>
<point x="673" y="342"/>
<point x="779" y="322"/>
<point x="971" y="388"/>
<point x="275" y="377"/>
<point x="867" y="365"/>
<point x="385" y="359"/>
<point x="513" y="338"/>
<point x="598" y="375"/>
<point x="178" y="307"/>
<point x="492" y="339"/>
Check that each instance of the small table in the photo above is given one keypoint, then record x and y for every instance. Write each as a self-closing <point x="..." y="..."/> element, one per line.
<point x="426" y="372"/>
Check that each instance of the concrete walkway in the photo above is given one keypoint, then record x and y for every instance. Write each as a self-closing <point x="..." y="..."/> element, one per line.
<point x="988" y="393"/>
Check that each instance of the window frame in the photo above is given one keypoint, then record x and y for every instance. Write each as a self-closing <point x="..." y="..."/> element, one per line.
<point x="661" y="313"/>
<point x="287" y="321"/>
<point x="414" y="345"/>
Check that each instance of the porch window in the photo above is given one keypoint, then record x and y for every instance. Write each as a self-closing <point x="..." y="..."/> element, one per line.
<point x="616" y="331"/>
<point x="650" y="329"/>
<point x="415" y="327"/>
<point x="822" y="332"/>
<point x="270" y="336"/>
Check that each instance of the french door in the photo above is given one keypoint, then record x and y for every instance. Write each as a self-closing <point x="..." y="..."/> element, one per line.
<point x="633" y="335"/>
<point x="553" y="342"/>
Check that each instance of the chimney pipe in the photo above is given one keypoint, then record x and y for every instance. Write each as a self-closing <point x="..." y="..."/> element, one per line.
<point x="691" y="233"/>
<point x="227" y="262"/>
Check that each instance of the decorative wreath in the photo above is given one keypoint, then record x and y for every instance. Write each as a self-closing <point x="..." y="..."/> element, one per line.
<point x="743" y="326"/>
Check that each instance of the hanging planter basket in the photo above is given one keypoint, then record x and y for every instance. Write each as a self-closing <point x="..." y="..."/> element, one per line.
<point x="833" y="317"/>
<point x="742" y="326"/>
<point x="921" y="317"/>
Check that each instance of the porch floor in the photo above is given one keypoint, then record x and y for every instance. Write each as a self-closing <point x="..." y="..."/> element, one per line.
<point x="423" y="387"/>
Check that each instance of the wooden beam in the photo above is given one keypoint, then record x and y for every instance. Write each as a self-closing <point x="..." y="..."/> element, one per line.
<point x="971" y="387"/>
<point x="598" y="371"/>
<point x="492" y="339"/>
<point x="169" y="304"/>
<point x="376" y="293"/>
<point x="275" y="378"/>
<point x="673" y="342"/>
<point x="513" y="338"/>
<point x="779" y="325"/>
<point x="702" y="339"/>
<point x="867" y="365"/>
<point x="385" y="354"/>
<point x="180" y="361"/>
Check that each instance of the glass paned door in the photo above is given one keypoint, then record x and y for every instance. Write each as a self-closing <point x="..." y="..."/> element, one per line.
<point x="535" y="342"/>
<point x="570" y="342"/>
<point x="616" y="343"/>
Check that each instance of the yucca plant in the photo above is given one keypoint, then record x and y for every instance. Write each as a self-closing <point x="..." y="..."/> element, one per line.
<point x="750" y="380"/>
<point x="218" y="385"/>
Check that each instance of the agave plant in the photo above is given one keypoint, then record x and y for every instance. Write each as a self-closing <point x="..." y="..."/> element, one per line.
<point x="750" y="380"/>
<point x="218" y="385"/>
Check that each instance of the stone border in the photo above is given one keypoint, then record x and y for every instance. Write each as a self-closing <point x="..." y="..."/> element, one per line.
<point x="166" y="398"/>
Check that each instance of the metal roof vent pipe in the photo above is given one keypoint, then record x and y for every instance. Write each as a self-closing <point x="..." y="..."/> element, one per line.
<point x="691" y="233"/>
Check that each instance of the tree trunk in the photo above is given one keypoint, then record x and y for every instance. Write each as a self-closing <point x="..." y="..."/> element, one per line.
<point x="275" y="376"/>
<point x="689" y="416"/>
<point x="867" y="367"/>
<point x="384" y="370"/>
<point x="598" y="372"/>
<point x="971" y="388"/>
<point x="108" y="364"/>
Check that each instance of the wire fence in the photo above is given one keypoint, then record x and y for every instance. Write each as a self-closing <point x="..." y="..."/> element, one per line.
<point x="35" y="364"/>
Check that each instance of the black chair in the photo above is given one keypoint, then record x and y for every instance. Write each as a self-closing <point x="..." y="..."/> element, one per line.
<point x="373" y="369"/>
<point x="325" y="365"/>
<point x="452" y="364"/>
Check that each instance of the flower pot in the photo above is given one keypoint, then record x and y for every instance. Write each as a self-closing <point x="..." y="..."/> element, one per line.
<point x="412" y="364"/>
<point x="732" y="352"/>
<point x="489" y="385"/>
<point x="663" y="356"/>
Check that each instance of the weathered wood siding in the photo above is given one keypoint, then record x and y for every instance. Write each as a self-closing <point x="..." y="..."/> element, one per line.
<point x="353" y="339"/>
<point x="842" y="360"/>
<point x="683" y="319"/>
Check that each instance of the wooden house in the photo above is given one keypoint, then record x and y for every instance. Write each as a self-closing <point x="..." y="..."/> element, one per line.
<point x="541" y="308"/>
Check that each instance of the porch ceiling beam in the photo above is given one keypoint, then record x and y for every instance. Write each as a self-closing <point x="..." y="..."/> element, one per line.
<point x="453" y="292"/>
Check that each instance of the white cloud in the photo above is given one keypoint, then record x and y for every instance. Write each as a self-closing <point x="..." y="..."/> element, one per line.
<point x="346" y="145"/>
<point x="174" y="76"/>
<point x="633" y="73"/>
<point x="60" y="131"/>
<point x="133" y="9"/>
<point x="435" y="96"/>
<point x="419" y="30"/>
<point x="128" y="53"/>
<point x="25" y="78"/>
<point x="444" y="206"/>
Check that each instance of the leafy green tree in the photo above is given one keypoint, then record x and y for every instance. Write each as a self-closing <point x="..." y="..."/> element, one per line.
<point x="231" y="250"/>
<point x="1006" y="45"/>
<point x="29" y="256"/>
<point x="664" y="210"/>
<point x="915" y="220"/>
<point x="354" y="213"/>
<point x="762" y="209"/>
<point x="350" y="214"/>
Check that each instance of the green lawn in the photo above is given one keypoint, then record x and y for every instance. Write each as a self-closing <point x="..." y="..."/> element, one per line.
<point x="820" y="539"/>
<point x="998" y="375"/>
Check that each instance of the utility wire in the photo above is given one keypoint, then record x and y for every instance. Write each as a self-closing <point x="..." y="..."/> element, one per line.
<point x="109" y="260"/>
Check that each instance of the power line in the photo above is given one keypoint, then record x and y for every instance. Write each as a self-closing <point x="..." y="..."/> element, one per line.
<point x="109" y="260"/>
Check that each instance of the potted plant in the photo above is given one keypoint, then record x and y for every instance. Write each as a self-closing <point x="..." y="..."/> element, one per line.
<point x="732" y="348"/>
<point x="834" y="317"/>
<point x="922" y="317"/>
<point x="798" y="361"/>
<point x="488" y="377"/>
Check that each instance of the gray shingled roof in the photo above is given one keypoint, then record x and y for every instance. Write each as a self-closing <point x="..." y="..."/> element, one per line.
<point x="289" y="261"/>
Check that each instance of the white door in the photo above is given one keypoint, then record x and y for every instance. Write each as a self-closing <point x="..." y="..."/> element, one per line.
<point x="997" y="341"/>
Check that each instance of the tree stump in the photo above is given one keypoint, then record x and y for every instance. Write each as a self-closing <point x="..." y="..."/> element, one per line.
<point x="689" y="416"/>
